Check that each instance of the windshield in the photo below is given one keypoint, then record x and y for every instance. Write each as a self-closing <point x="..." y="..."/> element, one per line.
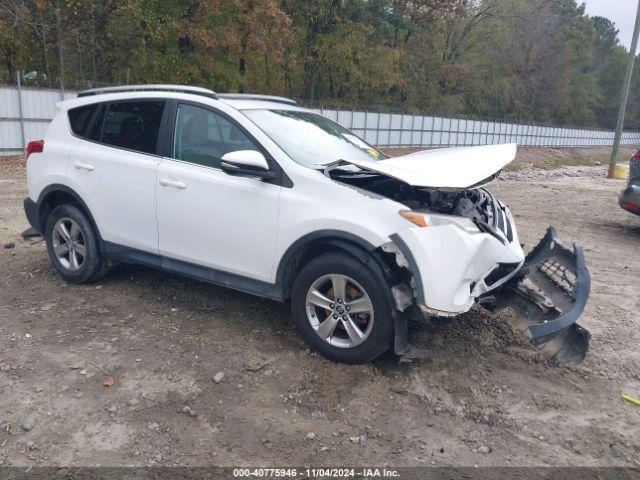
<point x="311" y="139"/>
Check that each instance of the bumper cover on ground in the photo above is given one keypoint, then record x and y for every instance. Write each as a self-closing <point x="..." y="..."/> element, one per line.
<point x="547" y="298"/>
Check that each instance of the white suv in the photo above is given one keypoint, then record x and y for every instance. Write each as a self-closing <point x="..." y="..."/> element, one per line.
<point x="261" y="195"/>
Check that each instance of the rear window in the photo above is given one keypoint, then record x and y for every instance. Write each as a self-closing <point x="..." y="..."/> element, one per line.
<point x="80" y="117"/>
<point x="133" y="125"/>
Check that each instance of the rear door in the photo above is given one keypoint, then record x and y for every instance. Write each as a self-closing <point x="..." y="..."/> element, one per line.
<point x="114" y="168"/>
<point x="205" y="216"/>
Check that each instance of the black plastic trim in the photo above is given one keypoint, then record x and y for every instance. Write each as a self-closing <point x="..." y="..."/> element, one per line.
<point x="356" y="246"/>
<point x="413" y="267"/>
<point x="131" y="255"/>
<point x="327" y="235"/>
<point x="57" y="187"/>
<point x="231" y="168"/>
<point x="582" y="286"/>
<point x="32" y="214"/>
<point x="224" y="279"/>
<point x="210" y="275"/>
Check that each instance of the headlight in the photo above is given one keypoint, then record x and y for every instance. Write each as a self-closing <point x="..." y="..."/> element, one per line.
<point x="437" y="220"/>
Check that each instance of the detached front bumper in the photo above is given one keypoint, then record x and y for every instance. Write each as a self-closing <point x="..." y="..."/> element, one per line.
<point x="547" y="298"/>
<point x="545" y="292"/>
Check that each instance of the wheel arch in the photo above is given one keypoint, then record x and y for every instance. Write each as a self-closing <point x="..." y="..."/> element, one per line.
<point x="316" y="243"/>
<point x="58" y="194"/>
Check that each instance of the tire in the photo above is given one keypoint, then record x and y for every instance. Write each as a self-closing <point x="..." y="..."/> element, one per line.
<point x="89" y="265"/>
<point x="321" y="275"/>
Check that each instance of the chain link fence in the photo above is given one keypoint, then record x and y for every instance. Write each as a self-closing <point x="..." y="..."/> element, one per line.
<point x="26" y="111"/>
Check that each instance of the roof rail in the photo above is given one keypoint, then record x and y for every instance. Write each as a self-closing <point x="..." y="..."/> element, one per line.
<point x="257" y="96"/>
<point x="150" y="88"/>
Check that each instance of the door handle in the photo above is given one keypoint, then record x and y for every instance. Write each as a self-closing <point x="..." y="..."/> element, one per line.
<point x="84" y="166"/>
<point x="167" y="182"/>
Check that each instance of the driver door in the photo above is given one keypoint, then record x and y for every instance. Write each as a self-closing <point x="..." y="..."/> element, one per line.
<point x="205" y="216"/>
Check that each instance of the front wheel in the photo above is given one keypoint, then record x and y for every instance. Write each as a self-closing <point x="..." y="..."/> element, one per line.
<point x="341" y="309"/>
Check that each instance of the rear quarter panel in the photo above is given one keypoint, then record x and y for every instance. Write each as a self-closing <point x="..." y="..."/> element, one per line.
<point x="50" y="166"/>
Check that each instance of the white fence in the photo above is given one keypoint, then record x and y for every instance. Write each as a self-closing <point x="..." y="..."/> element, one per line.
<point x="25" y="113"/>
<point x="403" y="130"/>
<point x="31" y="116"/>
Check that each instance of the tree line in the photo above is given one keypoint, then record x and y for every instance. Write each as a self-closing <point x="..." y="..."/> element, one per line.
<point x="542" y="61"/>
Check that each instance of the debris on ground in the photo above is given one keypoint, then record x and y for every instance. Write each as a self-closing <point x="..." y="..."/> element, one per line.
<point x="28" y="423"/>
<point x="360" y="439"/>
<point x="30" y="233"/>
<point x="188" y="411"/>
<point x="630" y="399"/>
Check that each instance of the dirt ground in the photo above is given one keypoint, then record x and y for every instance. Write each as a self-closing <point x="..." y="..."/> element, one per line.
<point x="483" y="397"/>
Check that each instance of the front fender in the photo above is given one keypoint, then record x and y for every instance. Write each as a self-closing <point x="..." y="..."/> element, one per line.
<point x="447" y="262"/>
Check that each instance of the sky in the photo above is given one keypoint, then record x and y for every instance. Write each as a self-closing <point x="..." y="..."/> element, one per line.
<point x="621" y="12"/>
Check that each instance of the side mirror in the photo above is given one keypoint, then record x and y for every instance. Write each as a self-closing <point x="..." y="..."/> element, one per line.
<point x="246" y="163"/>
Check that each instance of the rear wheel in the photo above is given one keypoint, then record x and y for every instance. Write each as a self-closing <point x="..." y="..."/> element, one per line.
<point x="72" y="245"/>
<point x="341" y="309"/>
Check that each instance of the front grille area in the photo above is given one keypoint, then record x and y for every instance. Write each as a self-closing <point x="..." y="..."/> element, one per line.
<point x="500" y="220"/>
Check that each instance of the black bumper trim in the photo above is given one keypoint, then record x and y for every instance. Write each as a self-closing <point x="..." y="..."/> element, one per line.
<point x="413" y="267"/>
<point x="31" y="212"/>
<point x="581" y="289"/>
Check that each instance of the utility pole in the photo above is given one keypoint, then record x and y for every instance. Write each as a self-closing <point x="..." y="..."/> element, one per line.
<point x="60" y="48"/>
<point x="625" y="95"/>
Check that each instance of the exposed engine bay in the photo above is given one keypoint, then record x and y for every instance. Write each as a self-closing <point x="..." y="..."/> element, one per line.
<point x="475" y="203"/>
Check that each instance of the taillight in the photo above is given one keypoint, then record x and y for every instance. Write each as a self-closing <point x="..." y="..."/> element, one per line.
<point x="636" y="157"/>
<point x="37" y="146"/>
<point x="631" y="206"/>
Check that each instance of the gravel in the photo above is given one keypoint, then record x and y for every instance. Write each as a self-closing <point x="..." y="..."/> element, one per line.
<point x="28" y="423"/>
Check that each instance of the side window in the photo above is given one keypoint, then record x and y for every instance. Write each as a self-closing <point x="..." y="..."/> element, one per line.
<point x="203" y="137"/>
<point x="80" y="117"/>
<point x="133" y="125"/>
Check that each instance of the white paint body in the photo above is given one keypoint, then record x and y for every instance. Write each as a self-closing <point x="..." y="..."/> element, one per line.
<point x="445" y="168"/>
<point x="244" y="226"/>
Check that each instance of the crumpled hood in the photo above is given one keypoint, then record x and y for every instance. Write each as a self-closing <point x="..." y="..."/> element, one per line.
<point x="446" y="168"/>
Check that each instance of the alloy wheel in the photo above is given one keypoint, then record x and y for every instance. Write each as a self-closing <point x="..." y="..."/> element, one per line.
<point x="339" y="310"/>
<point x="69" y="245"/>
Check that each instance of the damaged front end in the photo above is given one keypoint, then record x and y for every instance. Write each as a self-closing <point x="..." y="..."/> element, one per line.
<point x="546" y="298"/>
<point x="466" y="251"/>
